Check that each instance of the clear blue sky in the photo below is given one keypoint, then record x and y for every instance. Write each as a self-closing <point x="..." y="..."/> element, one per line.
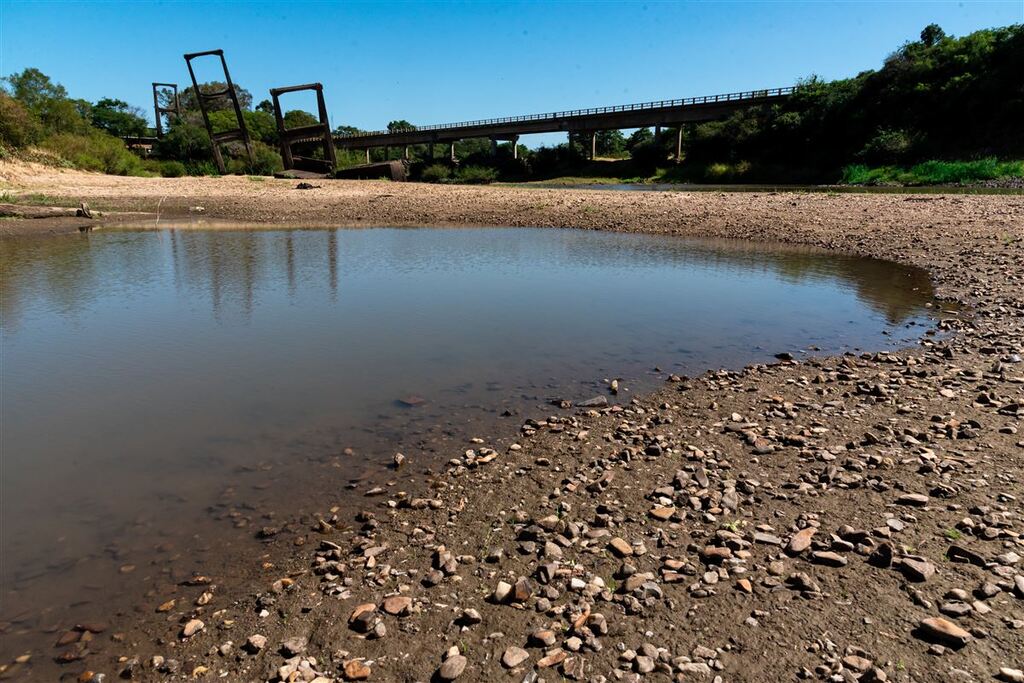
<point x="433" y="62"/>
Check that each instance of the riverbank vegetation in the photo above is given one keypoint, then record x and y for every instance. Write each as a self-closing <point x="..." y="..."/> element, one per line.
<point x="941" y="109"/>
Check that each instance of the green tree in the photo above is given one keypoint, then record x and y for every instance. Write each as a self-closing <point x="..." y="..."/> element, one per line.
<point x="118" y="118"/>
<point x="296" y="118"/>
<point x="189" y="101"/>
<point x="400" y="125"/>
<point x="18" y="126"/>
<point x="932" y="34"/>
<point x="641" y="136"/>
<point x="34" y="89"/>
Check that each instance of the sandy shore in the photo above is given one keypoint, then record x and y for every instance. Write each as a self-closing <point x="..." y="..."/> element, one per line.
<point x="854" y="518"/>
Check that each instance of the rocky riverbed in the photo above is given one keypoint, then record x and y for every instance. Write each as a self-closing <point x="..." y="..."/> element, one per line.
<point x="833" y="519"/>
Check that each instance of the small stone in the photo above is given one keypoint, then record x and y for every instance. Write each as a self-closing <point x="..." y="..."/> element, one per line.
<point x="620" y="547"/>
<point x="945" y="630"/>
<point x="355" y="670"/>
<point x="662" y="512"/>
<point x="256" y="642"/>
<point x="828" y="558"/>
<point x="859" y="664"/>
<point x="362" y="616"/>
<point x="502" y="591"/>
<point x="544" y="637"/>
<point x="293" y="646"/>
<point x="397" y="605"/>
<point x="916" y="568"/>
<point x="801" y="540"/>
<point x="912" y="499"/>
<point x="1011" y="675"/>
<point x="191" y="628"/>
<point x="553" y="659"/>
<point x="452" y="668"/>
<point x="514" y="656"/>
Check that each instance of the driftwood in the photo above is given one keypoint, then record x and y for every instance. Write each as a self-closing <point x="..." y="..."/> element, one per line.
<point x="29" y="211"/>
<point x="25" y="211"/>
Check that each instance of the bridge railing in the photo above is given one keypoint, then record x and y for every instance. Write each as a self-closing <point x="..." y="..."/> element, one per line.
<point x="641" y="106"/>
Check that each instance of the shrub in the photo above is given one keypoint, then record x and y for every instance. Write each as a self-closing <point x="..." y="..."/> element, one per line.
<point x="96" y="151"/>
<point x="435" y="173"/>
<point x="18" y="126"/>
<point x="887" y="146"/>
<point x="195" y="168"/>
<point x="172" y="169"/>
<point x="476" y="175"/>
<point x="266" y="160"/>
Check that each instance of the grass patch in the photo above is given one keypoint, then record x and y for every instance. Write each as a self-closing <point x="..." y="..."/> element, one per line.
<point x="933" y="173"/>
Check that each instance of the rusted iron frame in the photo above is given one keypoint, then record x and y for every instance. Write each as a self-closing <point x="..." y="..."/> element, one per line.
<point x="160" y="111"/>
<point x="289" y="136"/>
<point x="216" y="139"/>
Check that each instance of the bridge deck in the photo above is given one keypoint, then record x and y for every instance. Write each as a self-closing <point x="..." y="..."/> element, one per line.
<point x="663" y="113"/>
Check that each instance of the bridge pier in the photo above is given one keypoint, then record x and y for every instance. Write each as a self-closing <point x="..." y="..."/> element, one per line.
<point x="367" y="155"/>
<point x="405" y="153"/>
<point x="452" y="150"/>
<point x="657" y="132"/>
<point x="679" y="144"/>
<point x="515" y="146"/>
<point x="593" y="145"/>
<point x="430" y="151"/>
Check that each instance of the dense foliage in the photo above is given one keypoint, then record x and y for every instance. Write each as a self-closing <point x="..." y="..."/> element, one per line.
<point x="937" y="98"/>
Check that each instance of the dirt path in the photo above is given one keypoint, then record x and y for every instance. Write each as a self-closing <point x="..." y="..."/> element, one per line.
<point x="854" y="518"/>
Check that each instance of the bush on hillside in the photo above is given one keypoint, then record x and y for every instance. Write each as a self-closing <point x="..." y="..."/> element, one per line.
<point x="95" y="151"/>
<point x="18" y="127"/>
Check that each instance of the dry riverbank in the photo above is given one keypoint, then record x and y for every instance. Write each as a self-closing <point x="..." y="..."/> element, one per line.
<point x="854" y="518"/>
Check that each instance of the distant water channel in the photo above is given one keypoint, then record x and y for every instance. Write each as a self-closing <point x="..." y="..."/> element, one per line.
<point x="166" y="393"/>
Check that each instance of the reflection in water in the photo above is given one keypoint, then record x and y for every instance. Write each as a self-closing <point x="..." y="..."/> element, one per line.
<point x="145" y="374"/>
<point x="235" y="263"/>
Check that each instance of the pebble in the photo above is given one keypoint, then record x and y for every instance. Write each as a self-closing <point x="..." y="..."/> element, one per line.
<point x="355" y="670"/>
<point x="452" y="668"/>
<point x="514" y="656"/>
<point x="620" y="547"/>
<point x="397" y="605"/>
<point x="1011" y="675"/>
<point x="192" y="627"/>
<point x="945" y="630"/>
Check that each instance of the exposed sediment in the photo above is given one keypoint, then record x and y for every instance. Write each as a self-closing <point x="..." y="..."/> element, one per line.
<point x="852" y="518"/>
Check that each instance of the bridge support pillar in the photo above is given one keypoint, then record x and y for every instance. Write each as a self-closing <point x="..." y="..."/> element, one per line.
<point x="657" y="132"/>
<point x="593" y="145"/>
<point x="494" y="147"/>
<point x="515" y="146"/>
<point x="405" y="153"/>
<point x="679" y="144"/>
<point x="452" y="150"/>
<point x="430" y="151"/>
<point x="387" y="153"/>
<point x="367" y="155"/>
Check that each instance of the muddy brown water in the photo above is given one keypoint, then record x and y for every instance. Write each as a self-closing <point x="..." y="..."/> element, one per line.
<point x="167" y="393"/>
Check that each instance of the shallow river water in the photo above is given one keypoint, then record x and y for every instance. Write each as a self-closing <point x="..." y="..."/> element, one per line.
<point x="168" y="391"/>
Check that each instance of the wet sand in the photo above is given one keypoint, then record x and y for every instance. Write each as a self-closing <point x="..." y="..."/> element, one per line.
<point x="856" y="517"/>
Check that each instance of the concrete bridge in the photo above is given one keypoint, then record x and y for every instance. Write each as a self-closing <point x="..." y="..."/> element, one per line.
<point x="668" y="113"/>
